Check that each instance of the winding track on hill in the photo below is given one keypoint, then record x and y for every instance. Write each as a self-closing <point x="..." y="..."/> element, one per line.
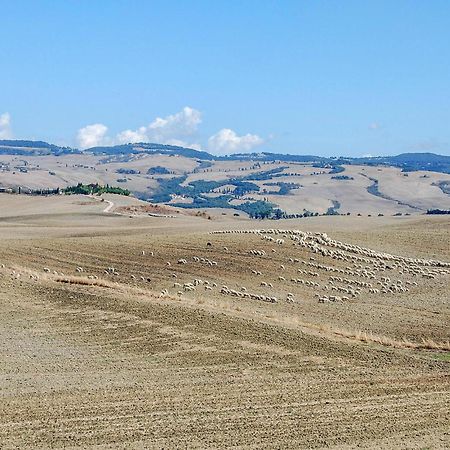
<point x="109" y="207"/>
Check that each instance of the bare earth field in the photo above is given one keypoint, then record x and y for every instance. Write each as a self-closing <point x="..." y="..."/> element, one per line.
<point x="124" y="330"/>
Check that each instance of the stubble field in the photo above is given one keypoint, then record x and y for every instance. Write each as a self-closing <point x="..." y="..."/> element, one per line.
<point x="153" y="332"/>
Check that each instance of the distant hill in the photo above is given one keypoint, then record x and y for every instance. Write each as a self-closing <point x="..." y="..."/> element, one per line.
<point x="143" y="147"/>
<point x="406" y="161"/>
<point x="422" y="161"/>
<point x="35" y="148"/>
<point x="267" y="156"/>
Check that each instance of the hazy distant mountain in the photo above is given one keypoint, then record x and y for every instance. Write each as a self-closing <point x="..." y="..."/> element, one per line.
<point x="408" y="162"/>
<point x="405" y="161"/>
<point x="20" y="147"/>
<point x="143" y="147"/>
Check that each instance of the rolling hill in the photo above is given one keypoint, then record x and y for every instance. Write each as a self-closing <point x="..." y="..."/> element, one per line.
<point x="406" y="161"/>
<point x="258" y="184"/>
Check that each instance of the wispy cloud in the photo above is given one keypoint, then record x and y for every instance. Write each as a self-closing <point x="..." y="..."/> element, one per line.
<point x="5" y="126"/>
<point x="375" y="126"/>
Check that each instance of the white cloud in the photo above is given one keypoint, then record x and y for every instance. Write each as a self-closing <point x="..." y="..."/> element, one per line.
<point x="130" y="136"/>
<point x="5" y="126"/>
<point x="93" y="135"/>
<point x="183" y="123"/>
<point x="374" y="126"/>
<point x="226" y="141"/>
<point x="175" y="127"/>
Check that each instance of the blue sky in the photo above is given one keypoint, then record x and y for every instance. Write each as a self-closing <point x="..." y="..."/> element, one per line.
<point x="315" y="77"/>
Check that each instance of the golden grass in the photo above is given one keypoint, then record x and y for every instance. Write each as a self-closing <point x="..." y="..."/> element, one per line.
<point x="323" y="329"/>
<point x="367" y="337"/>
<point x="85" y="281"/>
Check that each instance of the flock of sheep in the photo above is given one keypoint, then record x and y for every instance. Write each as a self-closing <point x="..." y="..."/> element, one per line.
<point x="304" y="264"/>
<point x="363" y="264"/>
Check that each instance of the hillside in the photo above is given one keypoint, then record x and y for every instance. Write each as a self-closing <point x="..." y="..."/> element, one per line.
<point x="406" y="161"/>
<point x="182" y="332"/>
<point x="263" y="185"/>
<point x="150" y="148"/>
<point x="35" y="148"/>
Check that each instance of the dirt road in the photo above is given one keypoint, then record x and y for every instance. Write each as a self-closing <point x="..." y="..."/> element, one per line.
<point x="109" y="207"/>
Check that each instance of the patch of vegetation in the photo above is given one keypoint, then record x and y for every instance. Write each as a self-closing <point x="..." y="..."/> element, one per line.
<point x="342" y="177"/>
<point x="444" y="186"/>
<point x="438" y="211"/>
<point x="373" y="189"/>
<point x="199" y="202"/>
<point x="259" y="209"/>
<point x="285" y="188"/>
<point x="333" y="210"/>
<point x="443" y="356"/>
<point x="125" y="171"/>
<point x="90" y="189"/>
<point x="20" y="190"/>
<point x="204" y="186"/>
<point x="167" y="187"/>
<point x="158" y="170"/>
<point x="203" y="165"/>
<point x="337" y="169"/>
<point x="244" y="187"/>
<point x="265" y="175"/>
<point x="310" y="214"/>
